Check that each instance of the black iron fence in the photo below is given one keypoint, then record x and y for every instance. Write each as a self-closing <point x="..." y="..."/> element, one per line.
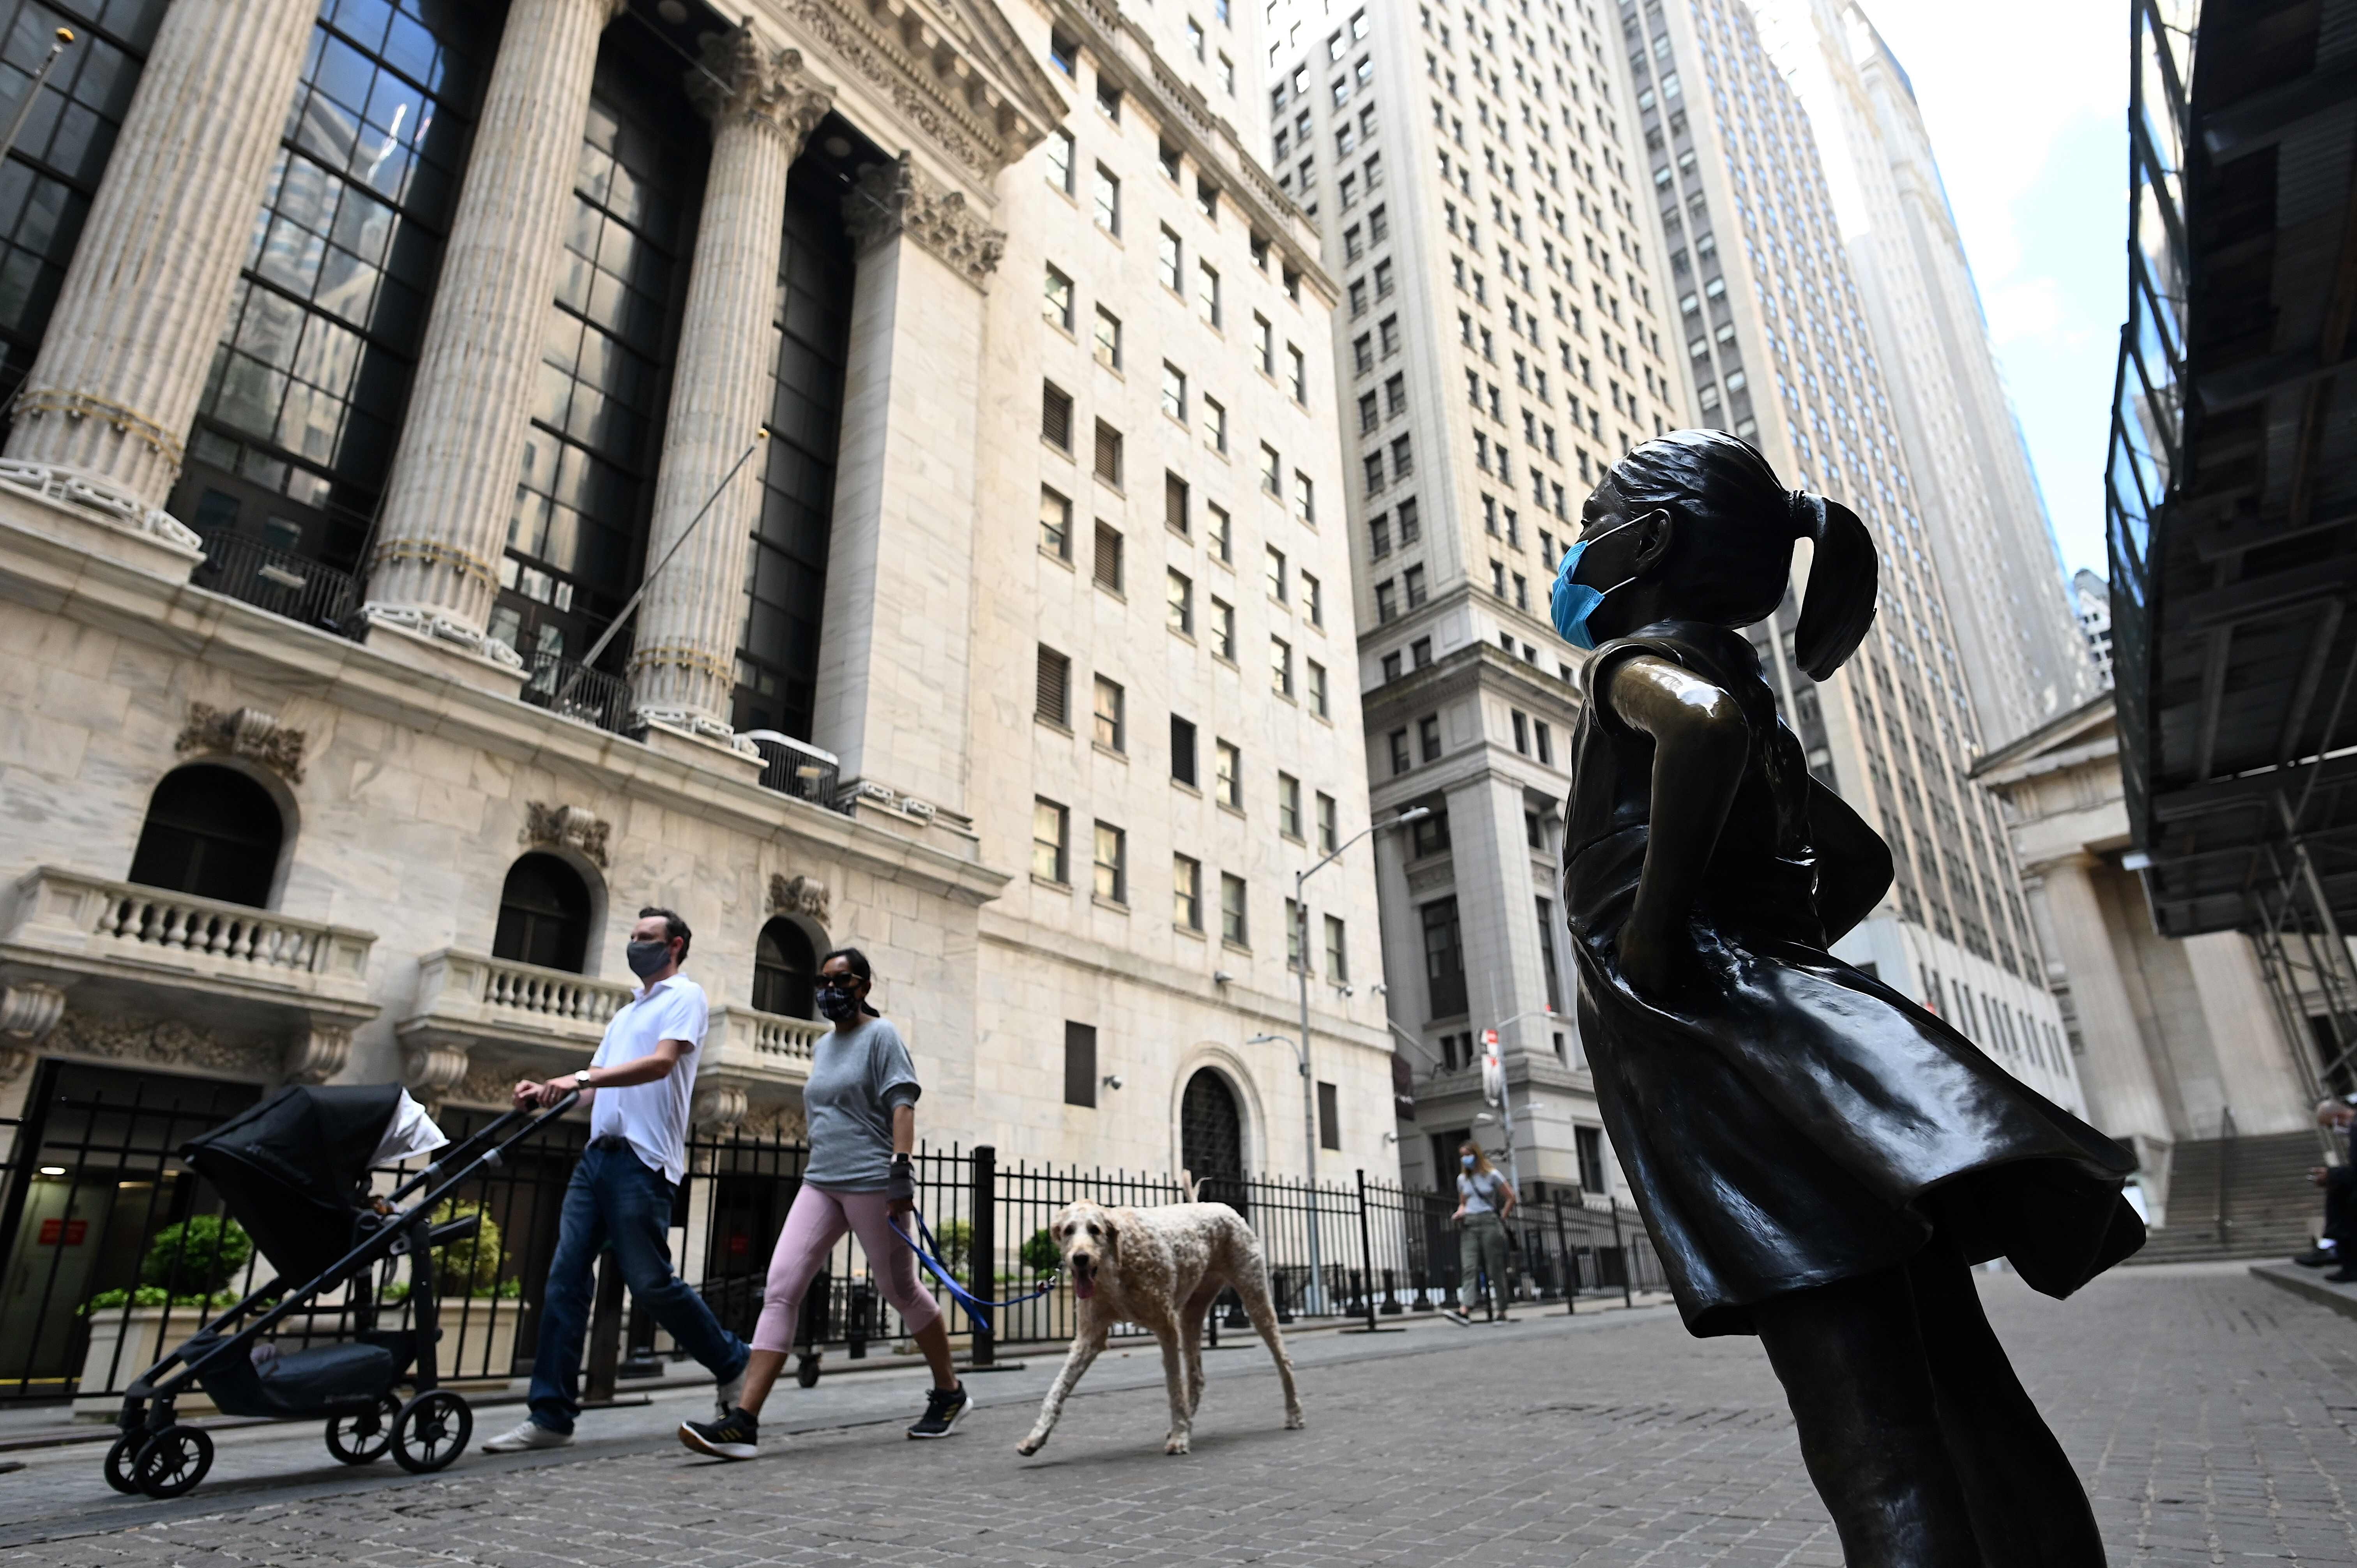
<point x="578" y="692"/>
<point x="278" y="581"/>
<point x="115" y="1251"/>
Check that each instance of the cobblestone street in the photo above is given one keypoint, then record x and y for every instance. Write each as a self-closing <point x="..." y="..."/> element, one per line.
<point x="2210" y="1413"/>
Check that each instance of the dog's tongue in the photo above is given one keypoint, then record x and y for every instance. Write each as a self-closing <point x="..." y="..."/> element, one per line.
<point x="1084" y="1287"/>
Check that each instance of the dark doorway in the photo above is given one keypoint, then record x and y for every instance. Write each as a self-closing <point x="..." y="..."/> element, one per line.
<point x="544" y="914"/>
<point x="785" y="971"/>
<point x="212" y="832"/>
<point x="93" y="1181"/>
<point x="1211" y="1139"/>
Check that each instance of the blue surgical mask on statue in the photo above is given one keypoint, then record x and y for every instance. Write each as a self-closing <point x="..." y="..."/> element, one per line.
<point x="1465" y="1160"/>
<point x="1574" y="603"/>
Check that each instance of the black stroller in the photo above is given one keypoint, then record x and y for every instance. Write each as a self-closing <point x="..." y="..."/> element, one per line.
<point x="293" y="1171"/>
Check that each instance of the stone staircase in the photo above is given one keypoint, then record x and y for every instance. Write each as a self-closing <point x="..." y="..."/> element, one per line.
<point x="2270" y="1210"/>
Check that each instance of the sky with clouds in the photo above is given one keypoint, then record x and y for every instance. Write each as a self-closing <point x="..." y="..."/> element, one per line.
<point x="2026" y="100"/>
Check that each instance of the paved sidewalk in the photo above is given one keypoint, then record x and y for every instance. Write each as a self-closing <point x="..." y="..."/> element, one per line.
<point x="2210" y="1411"/>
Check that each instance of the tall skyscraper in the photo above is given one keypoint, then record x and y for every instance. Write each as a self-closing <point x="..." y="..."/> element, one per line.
<point x="1984" y="519"/>
<point x="1474" y="171"/>
<point x="1784" y="351"/>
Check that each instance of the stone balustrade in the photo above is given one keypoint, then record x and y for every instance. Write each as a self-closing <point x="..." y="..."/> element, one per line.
<point x="518" y="1015"/>
<point x="153" y="952"/>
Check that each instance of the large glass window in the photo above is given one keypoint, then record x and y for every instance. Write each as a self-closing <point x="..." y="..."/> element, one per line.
<point x="295" y="430"/>
<point x="59" y="156"/>
<point x="212" y="832"/>
<point x="577" y="535"/>
<point x="785" y="586"/>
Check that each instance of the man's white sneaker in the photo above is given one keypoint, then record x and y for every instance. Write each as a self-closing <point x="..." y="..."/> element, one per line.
<point x="528" y="1434"/>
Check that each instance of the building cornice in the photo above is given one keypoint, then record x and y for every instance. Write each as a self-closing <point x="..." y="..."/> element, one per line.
<point x="954" y="71"/>
<point x="1461" y="673"/>
<point x="248" y="645"/>
<point x="1123" y="50"/>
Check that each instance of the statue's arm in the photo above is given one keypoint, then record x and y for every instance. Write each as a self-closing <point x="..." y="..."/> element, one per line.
<point x="1853" y="862"/>
<point x="1700" y="741"/>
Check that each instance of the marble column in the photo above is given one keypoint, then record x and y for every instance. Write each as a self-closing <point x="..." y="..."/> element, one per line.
<point x="123" y="365"/>
<point x="762" y="107"/>
<point x="894" y="662"/>
<point x="444" y="525"/>
<point x="2123" y="1093"/>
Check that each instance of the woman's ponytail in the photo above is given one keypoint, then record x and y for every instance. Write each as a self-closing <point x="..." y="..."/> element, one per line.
<point x="1839" y="608"/>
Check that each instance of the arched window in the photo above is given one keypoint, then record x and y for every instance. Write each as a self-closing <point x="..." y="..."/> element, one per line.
<point x="785" y="971"/>
<point x="212" y="832"/>
<point x="1211" y="1138"/>
<point x="544" y="914"/>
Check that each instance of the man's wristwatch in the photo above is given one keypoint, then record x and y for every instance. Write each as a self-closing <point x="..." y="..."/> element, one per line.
<point x="581" y="1080"/>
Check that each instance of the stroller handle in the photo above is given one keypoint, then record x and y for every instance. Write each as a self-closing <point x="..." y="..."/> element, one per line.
<point x="488" y="1131"/>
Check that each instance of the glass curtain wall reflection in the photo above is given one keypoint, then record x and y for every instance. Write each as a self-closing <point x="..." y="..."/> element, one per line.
<point x="297" y="427"/>
<point x="52" y="172"/>
<point x="576" y="538"/>
<point x="785" y="579"/>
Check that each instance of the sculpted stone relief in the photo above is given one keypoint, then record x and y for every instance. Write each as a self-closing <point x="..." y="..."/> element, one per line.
<point x="248" y="733"/>
<point x="899" y="198"/>
<point x="567" y="827"/>
<point x="741" y="76"/>
<point x="798" y="896"/>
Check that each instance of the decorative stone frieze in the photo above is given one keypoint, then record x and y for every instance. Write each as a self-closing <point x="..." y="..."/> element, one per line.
<point x="911" y="62"/>
<point x="566" y="827"/>
<point x="719" y="1109"/>
<point x="798" y="896"/>
<point x="166" y="1043"/>
<point x="899" y="198"/>
<point x="249" y="732"/>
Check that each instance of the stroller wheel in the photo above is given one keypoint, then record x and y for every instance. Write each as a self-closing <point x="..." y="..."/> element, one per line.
<point x="118" y="1462"/>
<point x="173" y="1461"/>
<point x="361" y="1438"/>
<point x="806" y="1371"/>
<point x="431" y="1431"/>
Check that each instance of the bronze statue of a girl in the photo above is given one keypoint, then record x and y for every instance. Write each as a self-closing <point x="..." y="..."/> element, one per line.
<point x="1820" y="1161"/>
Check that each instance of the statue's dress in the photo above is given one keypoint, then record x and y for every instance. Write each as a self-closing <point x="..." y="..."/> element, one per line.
<point x="1788" y="1122"/>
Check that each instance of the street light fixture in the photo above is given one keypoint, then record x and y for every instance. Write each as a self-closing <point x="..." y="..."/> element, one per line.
<point x="1302" y="1044"/>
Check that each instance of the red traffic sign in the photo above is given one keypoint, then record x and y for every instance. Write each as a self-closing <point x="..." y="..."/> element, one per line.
<point x="1489" y="1037"/>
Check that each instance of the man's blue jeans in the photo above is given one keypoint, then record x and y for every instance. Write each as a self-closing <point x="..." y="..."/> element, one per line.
<point x="615" y="1200"/>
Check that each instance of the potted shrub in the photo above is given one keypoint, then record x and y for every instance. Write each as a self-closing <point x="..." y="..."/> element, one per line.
<point x="479" y="1309"/>
<point x="190" y="1270"/>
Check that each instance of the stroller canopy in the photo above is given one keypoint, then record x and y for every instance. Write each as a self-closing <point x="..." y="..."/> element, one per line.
<point x="288" y="1168"/>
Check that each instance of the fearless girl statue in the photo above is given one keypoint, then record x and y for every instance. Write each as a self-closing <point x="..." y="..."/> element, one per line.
<point x="1819" y="1160"/>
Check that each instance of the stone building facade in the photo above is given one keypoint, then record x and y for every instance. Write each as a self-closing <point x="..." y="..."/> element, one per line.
<point x="478" y="471"/>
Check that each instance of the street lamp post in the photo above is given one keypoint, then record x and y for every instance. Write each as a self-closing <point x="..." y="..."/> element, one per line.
<point x="1316" y="1295"/>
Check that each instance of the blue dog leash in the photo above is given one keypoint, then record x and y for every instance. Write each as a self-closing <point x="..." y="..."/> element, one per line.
<point x="974" y="1305"/>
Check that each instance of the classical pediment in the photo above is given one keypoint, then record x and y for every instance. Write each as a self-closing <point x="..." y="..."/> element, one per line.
<point x="953" y="72"/>
<point x="2088" y="731"/>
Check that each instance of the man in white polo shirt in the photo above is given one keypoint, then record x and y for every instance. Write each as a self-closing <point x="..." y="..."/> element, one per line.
<point x="638" y="1088"/>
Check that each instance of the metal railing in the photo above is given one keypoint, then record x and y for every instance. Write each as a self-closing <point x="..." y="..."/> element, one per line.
<point x="96" y="1292"/>
<point x="278" y="581"/>
<point x="796" y="767"/>
<point x="577" y="692"/>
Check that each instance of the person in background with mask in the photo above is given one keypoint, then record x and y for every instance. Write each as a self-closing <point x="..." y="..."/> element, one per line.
<point x="637" y="1089"/>
<point x="1484" y="1199"/>
<point x="861" y="1104"/>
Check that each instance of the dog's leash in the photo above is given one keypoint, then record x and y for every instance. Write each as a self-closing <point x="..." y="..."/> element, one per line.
<point x="928" y="1254"/>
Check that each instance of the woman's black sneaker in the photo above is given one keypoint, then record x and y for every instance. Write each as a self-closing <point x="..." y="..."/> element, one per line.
<point x="733" y="1436"/>
<point x="943" y="1408"/>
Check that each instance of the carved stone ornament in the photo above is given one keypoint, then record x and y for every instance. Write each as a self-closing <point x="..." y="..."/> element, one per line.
<point x="798" y="896"/>
<point x="566" y="827"/>
<point x="159" y="1042"/>
<point x="249" y="732"/>
<point x="887" y="63"/>
<point x="431" y="1071"/>
<point x="737" y="75"/>
<point x="29" y="1012"/>
<point x="319" y="1055"/>
<point x="899" y="198"/>
<point x="719" y="1109"/>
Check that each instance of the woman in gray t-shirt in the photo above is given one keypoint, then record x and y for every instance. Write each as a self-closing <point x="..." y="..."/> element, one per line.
<point x="861" y="1106"/>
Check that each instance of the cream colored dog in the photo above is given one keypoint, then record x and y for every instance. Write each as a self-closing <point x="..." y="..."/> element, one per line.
<point x="1158" y="1268"/>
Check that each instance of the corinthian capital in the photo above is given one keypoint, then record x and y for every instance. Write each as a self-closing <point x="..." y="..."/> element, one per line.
<point x="899" y="198"/>
<point x="742" y="79"/>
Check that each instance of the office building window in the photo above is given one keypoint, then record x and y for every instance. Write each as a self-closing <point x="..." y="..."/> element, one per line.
<point x="1228" y="776"/>
<point x="1055" y="523"/>
<point x="1050" y="841"/>
<point x="1051" y="699"/>
<point x="1338" y="951"/>
<point x="1329" y="824"/>
<point x="1080" y="1064"/>
<point x="1234" y="925"/>
<point x="1111" y="864"/>
<point x="1180" y="594"/>
<point x="1289" y="805"/>
<point x="1111" y="730"/>
<point x="1444" y="959"/>
<point x="1186" y="893"/>
<point x="1182" y="750"/>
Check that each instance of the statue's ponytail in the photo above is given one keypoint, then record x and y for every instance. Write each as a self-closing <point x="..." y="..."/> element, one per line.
<point x="1839" y="608"/>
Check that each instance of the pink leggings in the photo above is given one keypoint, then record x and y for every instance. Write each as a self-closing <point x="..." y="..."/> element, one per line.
<point x="814" y="1224"/>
